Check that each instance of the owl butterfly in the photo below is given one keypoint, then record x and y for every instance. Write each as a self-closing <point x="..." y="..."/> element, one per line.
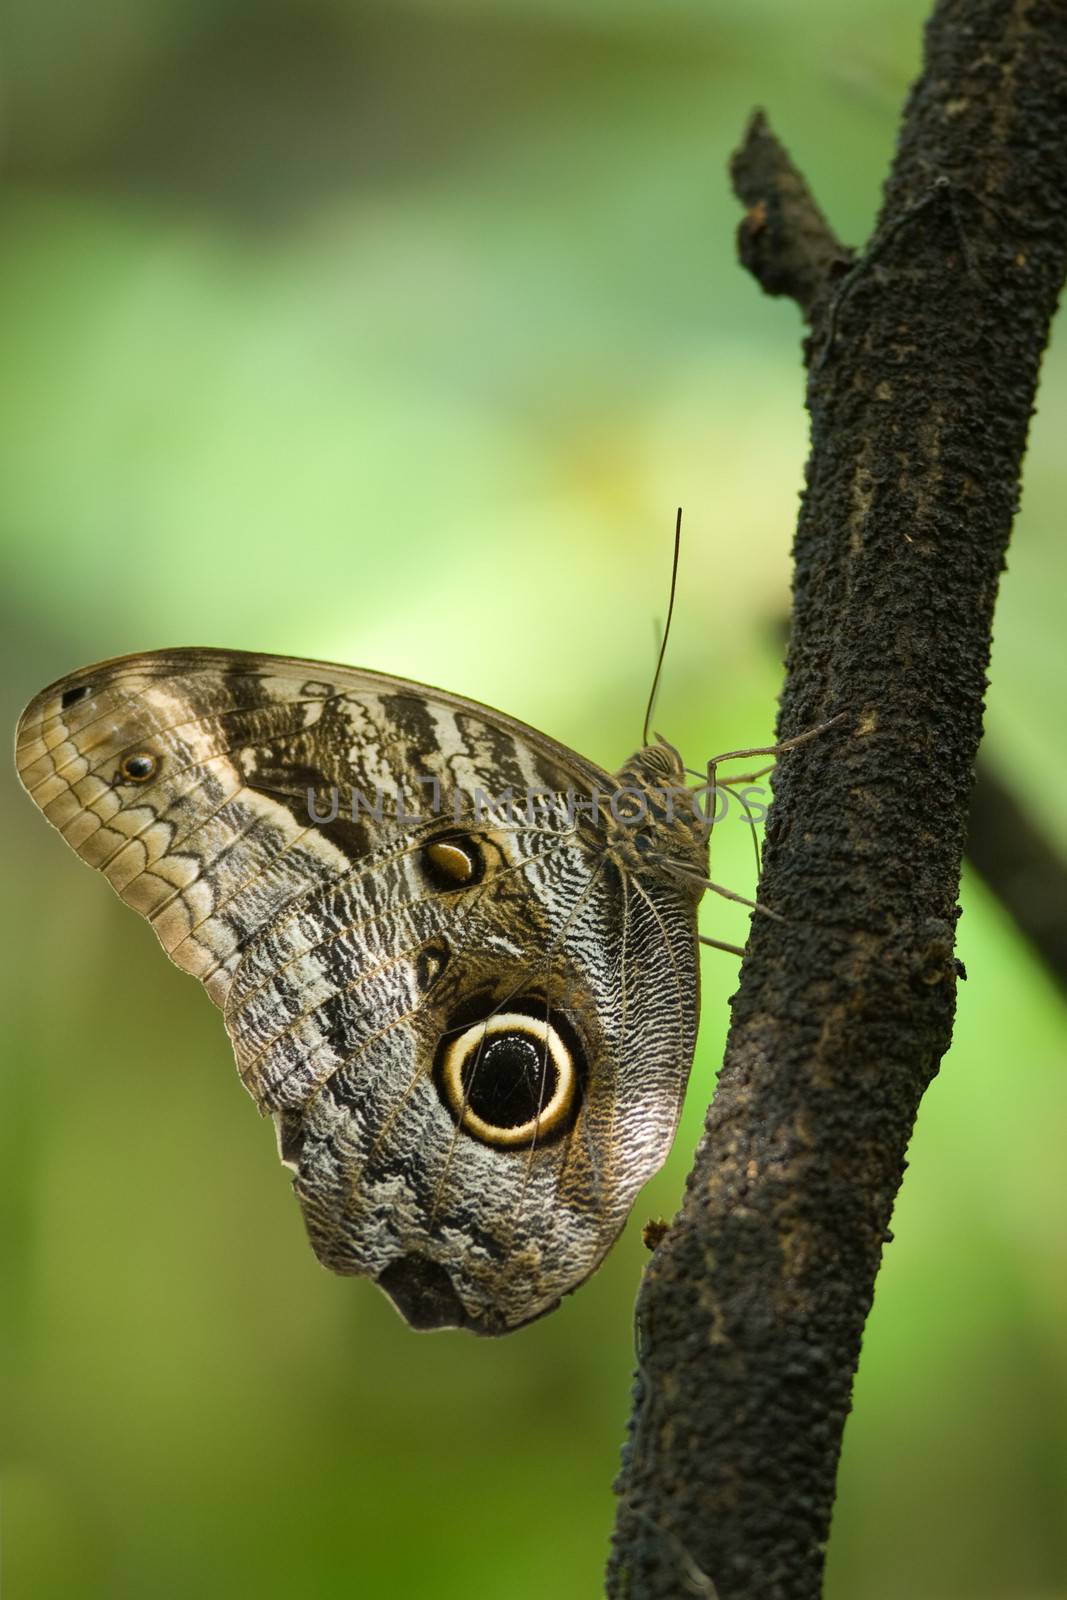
<point x="472" y="1022"/>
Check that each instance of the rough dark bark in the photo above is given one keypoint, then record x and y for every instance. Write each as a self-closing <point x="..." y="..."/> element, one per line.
<point x="784" y="240"/>
<point x="923" y="365"/>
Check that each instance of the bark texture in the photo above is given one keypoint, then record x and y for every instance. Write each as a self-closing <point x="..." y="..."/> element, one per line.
<point x="923" y="366"/>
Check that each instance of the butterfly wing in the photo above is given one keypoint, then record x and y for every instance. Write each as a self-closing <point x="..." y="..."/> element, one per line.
<point x="472" y="1024"/>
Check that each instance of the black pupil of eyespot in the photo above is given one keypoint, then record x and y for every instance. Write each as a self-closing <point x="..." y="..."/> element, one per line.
<point x="508" y="1079"/>
<point x="71" y="697"/>
<point x="138" y="766"/>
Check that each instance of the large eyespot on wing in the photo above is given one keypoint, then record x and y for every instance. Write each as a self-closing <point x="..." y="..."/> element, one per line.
<point x="512" y="1078"/>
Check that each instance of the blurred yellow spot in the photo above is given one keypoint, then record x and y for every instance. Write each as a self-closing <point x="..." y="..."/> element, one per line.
<point x="451" y="860"/>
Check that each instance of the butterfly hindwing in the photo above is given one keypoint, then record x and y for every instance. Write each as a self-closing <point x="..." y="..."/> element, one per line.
<point x="471" y="1021"/>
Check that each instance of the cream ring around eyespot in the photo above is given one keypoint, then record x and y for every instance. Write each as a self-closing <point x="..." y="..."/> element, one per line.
<point x="554" y="1110"/>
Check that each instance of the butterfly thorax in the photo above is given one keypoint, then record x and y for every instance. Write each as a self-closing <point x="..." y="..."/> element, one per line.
<point x="657" y="823"/>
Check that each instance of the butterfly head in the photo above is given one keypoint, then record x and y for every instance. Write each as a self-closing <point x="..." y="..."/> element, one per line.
<point x="658" y="819"/>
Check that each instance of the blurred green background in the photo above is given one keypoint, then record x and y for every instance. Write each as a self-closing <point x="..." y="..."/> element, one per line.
<point x="394" y="334"/>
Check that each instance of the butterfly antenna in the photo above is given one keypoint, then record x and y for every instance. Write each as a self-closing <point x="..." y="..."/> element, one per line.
<point x="666" y="631"/>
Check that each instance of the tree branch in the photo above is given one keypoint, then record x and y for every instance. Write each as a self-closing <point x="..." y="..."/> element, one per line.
<point x="783" y="239"/>
<point x="925" y="367"/>
<point x="1021" y="866"/>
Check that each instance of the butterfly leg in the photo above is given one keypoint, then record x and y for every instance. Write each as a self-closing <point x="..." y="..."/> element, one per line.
<point x="776" y="749"/>
<point x="720" y="944"/>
